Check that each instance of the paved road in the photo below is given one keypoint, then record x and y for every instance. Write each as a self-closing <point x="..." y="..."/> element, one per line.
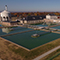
<point x="43" y="55"/>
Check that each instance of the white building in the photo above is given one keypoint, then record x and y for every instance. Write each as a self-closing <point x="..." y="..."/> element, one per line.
<point x="51" y="16"/>
<point x="5" y="18"/>
<point x="5" y="15"/>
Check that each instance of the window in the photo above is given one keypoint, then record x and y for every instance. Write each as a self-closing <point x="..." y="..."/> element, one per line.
<point x="4" y="17"/>
<point x="41" y="17"/>
<point x="33" y="17"/>
<point x="23" y="18"/>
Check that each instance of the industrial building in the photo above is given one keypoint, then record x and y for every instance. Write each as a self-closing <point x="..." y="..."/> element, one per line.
<point x="52" y="16"/>
<point x="5" y="18"/>
<point x="32" y="19"/>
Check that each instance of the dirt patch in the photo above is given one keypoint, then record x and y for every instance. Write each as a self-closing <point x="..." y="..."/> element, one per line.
<point x="6" y="53"/>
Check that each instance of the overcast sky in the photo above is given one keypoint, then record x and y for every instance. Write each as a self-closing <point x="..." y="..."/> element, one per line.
<point x="30" y="5"/>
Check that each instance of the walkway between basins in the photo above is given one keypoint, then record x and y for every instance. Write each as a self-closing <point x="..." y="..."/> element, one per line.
<point x="43" y="55"/>
<point x="16" y="33"/>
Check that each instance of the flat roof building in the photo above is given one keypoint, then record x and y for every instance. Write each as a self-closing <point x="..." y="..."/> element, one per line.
<point x="32" y="19"/>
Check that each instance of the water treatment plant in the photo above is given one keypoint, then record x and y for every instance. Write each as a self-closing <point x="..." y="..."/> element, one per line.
<point x="28" y="36"/>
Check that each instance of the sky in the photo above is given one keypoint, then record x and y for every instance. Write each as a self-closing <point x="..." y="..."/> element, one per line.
<point x="31" y="5"/>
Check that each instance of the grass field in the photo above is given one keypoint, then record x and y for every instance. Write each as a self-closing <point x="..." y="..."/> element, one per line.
<point x="24" y="54"/>
<point x="57" y="58"/>
<point x="53" y="56"/>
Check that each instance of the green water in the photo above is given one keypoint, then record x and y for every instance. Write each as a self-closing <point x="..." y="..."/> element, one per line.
<point x="57" y="27"/>
<point x="27" y="41"/>
<point x="0" y="25"/>
<point x="20" y="29"/>
<point x="42" y="25"/>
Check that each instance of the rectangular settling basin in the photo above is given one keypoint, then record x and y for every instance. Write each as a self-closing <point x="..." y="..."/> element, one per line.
<point x="25" y="39"/>
<point x="5" y="31"/>
<point x="57" y="27"/>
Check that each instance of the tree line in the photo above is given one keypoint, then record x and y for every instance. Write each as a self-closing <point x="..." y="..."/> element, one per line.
<point x="25" y="14"/>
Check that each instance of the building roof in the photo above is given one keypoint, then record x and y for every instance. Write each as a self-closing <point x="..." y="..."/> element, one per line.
<point x="52" y="14"/>
<point x="11" y="21"/>
<point x="34" y="18"/>
<point x="5" y="13"/>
